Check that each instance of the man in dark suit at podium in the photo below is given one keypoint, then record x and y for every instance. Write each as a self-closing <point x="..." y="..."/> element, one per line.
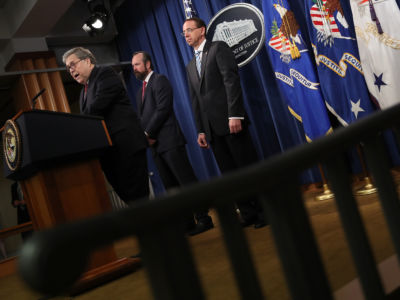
<point x="104" y="95"/>
<point x="155" y="108"/>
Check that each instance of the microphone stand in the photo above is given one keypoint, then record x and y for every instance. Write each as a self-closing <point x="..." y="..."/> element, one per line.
<point x="33" y="101"/>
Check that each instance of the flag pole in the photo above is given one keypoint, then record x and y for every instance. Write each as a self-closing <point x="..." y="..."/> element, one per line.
<point x="188" y="7"/>
<point x="368" y="188"/>
<point x="327" y="193"/>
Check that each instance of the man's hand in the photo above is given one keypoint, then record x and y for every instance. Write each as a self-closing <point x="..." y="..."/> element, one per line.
<point x="151" y="141"/>
<point x="201" y="140"/>
<point x="235" y="125"/>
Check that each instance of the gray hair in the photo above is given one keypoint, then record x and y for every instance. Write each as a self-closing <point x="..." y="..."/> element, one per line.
<point x="81" y="53"/>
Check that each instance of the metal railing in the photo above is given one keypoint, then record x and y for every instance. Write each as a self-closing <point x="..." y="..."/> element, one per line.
<point x="170" y="264"/>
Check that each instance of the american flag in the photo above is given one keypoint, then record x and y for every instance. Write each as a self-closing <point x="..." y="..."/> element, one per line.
<point x="342" y="82"/>
<point x="189" y="9"/>
<point x="321" y="17"/>
<point x="280" y="43"/>
<point x="296" y="78"/>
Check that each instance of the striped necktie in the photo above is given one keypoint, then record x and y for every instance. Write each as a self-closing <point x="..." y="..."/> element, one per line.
<point x="198" y="61"/>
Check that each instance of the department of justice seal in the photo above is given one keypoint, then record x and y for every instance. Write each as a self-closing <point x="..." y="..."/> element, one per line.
<point x="241" y="26"/>
<point x="12" y="145"/>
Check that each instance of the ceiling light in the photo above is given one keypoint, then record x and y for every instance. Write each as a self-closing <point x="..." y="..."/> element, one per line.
<point x="97" y="21"/>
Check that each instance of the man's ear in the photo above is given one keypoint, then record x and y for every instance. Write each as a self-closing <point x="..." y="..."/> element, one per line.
<point x="148" y="65"/>
<point x="203" y="31"/>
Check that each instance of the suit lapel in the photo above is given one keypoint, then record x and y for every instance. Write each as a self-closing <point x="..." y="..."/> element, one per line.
<point x="82" y="100"/>
<point x="86" y="102"/>
<point x="148" y="86"/>
<point x="146" y="92"/>
<point x="193" y="74"/>
<point x="204" y="59"/>
<point x="139" y="101"/>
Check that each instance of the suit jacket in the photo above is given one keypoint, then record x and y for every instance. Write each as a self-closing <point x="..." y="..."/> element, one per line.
<point x="216" y="94"/>
<point x="106" y="97"/>
<point x="156" y="113"/>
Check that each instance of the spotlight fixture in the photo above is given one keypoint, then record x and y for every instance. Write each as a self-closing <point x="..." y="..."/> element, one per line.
<point x="97" y="21"/>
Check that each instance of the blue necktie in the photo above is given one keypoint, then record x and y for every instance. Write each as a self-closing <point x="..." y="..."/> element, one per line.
<point x="198" y="61"/>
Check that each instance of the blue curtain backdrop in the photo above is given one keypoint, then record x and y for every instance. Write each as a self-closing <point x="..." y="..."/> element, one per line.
<point x="155" y="26"/>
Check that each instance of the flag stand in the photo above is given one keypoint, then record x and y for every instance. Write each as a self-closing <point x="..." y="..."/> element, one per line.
<point x="327" y="193"/>
<point x="368" y="188"/>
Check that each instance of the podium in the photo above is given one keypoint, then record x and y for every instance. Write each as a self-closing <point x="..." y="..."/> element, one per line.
<point x="54" y="157"/>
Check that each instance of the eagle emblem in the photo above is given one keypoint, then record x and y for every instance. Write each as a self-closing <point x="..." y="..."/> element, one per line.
<point x="285" y="37"/>
<point x="12" y="145"/>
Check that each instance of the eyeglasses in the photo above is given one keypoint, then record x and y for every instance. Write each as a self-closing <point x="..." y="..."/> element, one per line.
<point x="72" y="65"/>
<point x="189" y="30"/>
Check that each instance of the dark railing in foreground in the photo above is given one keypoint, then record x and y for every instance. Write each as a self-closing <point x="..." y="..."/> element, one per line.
<point x="53" y="259"/>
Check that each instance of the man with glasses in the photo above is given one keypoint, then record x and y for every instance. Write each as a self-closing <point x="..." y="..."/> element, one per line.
<point x="104" y="95"/>
<point x="219" y="112"/>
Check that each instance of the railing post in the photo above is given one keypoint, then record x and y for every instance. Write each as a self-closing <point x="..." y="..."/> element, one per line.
<point x="295" y="241"/>
<point x="340" y="182"/>
<point x="238" y="249"/>
<point x="169" y="263"/>
<point x="378" y="163"/>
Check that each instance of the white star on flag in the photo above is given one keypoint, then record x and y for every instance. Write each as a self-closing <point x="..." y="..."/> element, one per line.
<point x="379" y="53"/>
<point x="355" y="107"/>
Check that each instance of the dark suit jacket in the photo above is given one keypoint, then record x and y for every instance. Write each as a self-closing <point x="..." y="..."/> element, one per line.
<point x="157" y="114"/>
<point x="217" y="94"/>
<point x="106" y="97"/>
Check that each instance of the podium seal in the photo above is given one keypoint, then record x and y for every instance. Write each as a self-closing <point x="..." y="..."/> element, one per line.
<point x="12" y="145"/>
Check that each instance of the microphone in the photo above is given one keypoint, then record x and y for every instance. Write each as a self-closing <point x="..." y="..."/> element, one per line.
<point x="33" y="101"/>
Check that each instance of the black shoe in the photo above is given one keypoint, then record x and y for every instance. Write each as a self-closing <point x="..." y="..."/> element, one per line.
<point x="201" y="227"/>
<point x="259" y="223"/>
<point x="189" y="226"/>
<point x="138" y="255"/>
<point x="249" y="221"/>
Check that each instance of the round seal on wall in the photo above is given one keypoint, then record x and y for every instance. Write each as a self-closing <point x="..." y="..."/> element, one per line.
<point x="241" y="26"/>
<point x="12" y="145"/>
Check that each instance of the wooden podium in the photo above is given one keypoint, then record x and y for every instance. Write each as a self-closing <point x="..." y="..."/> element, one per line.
<point x="53" y="156"/>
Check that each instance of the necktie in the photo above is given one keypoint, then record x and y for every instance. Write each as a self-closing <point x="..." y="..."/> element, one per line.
<point x="86" y="87"/>
<point x="143" y="89"/>
<point x="198" y="61"/>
